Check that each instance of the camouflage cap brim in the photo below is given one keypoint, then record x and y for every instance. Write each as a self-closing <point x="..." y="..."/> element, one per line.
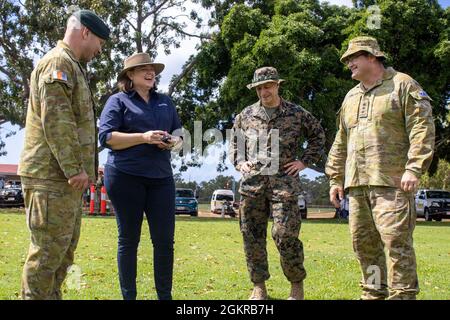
<point x="348" y="53"/>
<point x="255" y="84"/>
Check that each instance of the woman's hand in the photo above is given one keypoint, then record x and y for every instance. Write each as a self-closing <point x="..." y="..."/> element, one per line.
<point x="153" y="136"/>
<point x="174" y="140"/>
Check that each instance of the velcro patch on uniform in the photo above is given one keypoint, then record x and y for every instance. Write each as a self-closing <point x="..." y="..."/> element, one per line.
<point x="59" y="75"/>
<point x="420" y="95"/>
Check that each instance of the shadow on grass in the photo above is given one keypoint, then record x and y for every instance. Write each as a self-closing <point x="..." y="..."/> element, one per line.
<point x="206" y="219"/>
<point x="307" y="221"/>
<point x="18" y="211"/>
<point x="443" y="223"/>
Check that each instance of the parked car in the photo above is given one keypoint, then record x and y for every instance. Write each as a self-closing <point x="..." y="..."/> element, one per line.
<point x="11" y="197"/>
<point x="12" y="184"/>
<point x="223" y="198"/>
<point x="433" y="204"/>
<point x="303" y="207"/>
<point x="186" y="202"/>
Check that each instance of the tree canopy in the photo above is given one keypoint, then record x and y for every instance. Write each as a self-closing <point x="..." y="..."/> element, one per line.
<point x="304" y="41"/>
<point x="29" y="29"/>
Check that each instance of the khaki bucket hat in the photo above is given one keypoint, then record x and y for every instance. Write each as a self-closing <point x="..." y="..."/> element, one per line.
<point x="137" y="60"/>
<point x="363" y="43"/>
<point x="264" y="75"/>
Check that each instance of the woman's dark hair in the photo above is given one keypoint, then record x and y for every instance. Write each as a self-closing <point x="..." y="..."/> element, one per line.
<point x="125" y="84"/>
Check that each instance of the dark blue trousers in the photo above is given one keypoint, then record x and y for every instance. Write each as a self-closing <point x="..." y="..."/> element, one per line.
<point x="131" y="197"/>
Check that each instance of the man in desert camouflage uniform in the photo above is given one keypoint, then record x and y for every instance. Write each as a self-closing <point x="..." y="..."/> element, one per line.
<point x="59" y="156"/>
<point x="270" y="178"/>
<point x="384" y="143"/>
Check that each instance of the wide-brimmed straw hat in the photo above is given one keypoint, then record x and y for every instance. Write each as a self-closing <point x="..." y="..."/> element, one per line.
<point x="137" y="60"/>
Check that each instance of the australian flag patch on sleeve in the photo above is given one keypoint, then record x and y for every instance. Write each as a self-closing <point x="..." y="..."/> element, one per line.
<point x="59" y="75"/>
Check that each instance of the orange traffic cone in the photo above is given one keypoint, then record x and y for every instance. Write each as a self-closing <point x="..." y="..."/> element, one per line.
<point x="92" y="202"/>
<point x="103" y="201"/>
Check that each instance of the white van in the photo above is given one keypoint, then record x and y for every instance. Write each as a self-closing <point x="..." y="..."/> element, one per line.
<point x="219" y="197"/>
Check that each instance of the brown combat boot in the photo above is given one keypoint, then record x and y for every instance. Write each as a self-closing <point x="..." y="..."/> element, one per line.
<point x="297" y="291"/>
<point x="259" y="292"/>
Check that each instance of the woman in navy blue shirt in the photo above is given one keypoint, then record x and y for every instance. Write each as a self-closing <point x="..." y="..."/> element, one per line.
<point x="135" y="125"/>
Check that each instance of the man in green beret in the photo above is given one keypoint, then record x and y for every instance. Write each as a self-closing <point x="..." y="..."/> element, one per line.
<point x="384" y="143"/>
<point x="59" y="158"/>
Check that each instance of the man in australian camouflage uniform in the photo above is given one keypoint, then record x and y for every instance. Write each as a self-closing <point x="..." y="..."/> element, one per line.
<point x="384" y="143"/>
<point x="59" y="155"/>
<point x="270" y="178"/>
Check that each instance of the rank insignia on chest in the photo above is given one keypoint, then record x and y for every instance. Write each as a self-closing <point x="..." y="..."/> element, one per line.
<point x="59" y="75"/>
<point x="363" y="109"/>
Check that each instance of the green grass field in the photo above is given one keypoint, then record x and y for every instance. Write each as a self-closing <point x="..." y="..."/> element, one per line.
<point x="209" y="260"/>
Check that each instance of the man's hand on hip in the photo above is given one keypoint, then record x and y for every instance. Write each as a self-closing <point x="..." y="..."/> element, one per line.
<point x="246" y="167"/>
<point x="294" y="167"/>
<point x="79" y="181"/>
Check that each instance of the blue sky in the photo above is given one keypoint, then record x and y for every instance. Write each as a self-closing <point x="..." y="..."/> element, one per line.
<point x="174" y="63"/>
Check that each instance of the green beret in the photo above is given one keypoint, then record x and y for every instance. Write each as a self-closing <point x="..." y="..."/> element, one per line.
<point x="93" y="22"/>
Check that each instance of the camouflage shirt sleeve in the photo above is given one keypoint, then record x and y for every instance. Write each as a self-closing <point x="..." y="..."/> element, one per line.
<point x="236" y="150"/>
<point x="419" y="127"/>
<point x="315" y="136"/>
<point x="335" y="167"/>
<point x="58" y="119"/>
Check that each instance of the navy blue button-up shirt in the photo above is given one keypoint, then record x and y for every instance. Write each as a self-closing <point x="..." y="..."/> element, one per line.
<point x="127" y="112"/>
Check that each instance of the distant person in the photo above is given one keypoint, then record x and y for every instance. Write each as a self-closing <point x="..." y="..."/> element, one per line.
<point x="265" y="189"/>
<point x="135" y="126"/>
<point x="384" y="143"/>
<point x="344" y="209"/>
<point x="59" y="156"/>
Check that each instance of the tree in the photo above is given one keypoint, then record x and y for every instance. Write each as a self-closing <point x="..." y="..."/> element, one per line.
<point x="3" y="135"/>
<point x="29" y="30"/>
<point x="298" y="37"/>
<point x="424" y="54"/>
<point x="439" y="180"/>
<point x="304" y="40"/>
<point x="205" y="189"/>
<point x="316" y="190"/>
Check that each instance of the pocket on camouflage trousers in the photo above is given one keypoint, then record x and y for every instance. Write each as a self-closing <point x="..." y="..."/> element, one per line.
<point x="37" y="213"/>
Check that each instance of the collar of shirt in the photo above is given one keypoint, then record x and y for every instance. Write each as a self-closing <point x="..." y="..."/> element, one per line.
<point x="66" y="48"/>
<point x="133" y="93"/>
<point x="387" y="75"/>
<point x="258" y="110"/>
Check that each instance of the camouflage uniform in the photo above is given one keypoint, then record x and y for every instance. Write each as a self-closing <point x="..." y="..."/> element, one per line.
<point x="383" y="131"/>
<point x="60" y="141"/>
<point x="278" y="192"/>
